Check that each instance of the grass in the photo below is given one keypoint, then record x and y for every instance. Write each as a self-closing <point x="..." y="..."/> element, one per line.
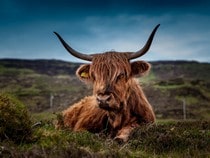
<point x="179" y="137"/>
<point x="188" y="99"/>
<point x="163" y="139"/>
<point x="147" y="79"/>
<point x="14" y="71"/>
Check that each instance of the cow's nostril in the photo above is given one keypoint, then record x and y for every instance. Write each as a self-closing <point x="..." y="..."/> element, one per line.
<point x="103" y="99"/>
<point x="108" y="98"/>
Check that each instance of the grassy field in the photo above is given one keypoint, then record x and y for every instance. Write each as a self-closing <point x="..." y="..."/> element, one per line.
<point x="168" y="83"/>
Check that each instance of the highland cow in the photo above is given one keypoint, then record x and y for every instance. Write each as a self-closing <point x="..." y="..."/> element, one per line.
<point x="118" y="104"/>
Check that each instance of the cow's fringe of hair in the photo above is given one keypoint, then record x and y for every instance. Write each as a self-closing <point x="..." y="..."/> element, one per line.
<point x="114" y="61"/>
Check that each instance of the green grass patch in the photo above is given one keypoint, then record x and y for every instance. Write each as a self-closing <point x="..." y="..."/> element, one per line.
<point x="188" y="99"/>
<point x="169" y="85"/>
<point x="148" y="78"/>
<point x="44" y="116"/>
<point x="14" y="71"/>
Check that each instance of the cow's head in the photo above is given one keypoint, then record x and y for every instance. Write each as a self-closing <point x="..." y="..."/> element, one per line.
<point x="110" y="73"/>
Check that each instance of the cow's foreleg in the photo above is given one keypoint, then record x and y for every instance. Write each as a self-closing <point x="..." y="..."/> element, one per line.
<point x="124" y="133"/>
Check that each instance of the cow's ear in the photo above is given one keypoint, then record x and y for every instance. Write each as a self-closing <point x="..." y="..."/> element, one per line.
<point x="139" y="68"/>
<point x="83" y="73"/>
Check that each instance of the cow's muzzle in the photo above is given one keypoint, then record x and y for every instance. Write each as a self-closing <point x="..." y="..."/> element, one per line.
<point x="103" y="99"/>
<point x="108" y="103"/>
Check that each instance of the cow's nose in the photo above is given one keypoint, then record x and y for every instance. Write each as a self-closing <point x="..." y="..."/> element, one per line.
<point x="103" y="99"/>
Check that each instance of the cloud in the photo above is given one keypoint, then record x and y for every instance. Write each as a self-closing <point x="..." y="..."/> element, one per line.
<point x="98" y="26"/>
<point x="180" y="40"/>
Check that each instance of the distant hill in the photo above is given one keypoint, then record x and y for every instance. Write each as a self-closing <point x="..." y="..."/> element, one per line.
<point x="184" y="69"/>
<point x="51" y="85"/>
<point x="174" y="69"/>
<point x="49" y="67"/>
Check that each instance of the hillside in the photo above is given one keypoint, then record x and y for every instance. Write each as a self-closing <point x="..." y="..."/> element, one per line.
<point x="48" y="67"/>
<point x="51" y="85"/>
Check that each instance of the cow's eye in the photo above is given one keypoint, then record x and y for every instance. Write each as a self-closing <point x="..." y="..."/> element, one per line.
<point x="120" y="77"/>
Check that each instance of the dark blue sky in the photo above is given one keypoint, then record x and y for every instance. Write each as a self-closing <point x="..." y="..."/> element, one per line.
<point x="26" y="28"/>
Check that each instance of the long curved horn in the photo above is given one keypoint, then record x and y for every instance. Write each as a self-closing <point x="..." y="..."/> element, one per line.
<point x="72" y="51"/>
<point x="146" y="46"/>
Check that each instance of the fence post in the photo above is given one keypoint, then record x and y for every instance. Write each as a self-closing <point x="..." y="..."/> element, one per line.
<point x="51" y="100"/>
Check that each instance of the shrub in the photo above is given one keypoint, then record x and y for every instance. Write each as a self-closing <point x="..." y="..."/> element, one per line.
<point x="15" y="123"/>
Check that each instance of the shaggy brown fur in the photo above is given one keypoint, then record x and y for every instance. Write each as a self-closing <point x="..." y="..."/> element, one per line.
<point x="118" y="103"/>
<point x="85" y="115"/>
